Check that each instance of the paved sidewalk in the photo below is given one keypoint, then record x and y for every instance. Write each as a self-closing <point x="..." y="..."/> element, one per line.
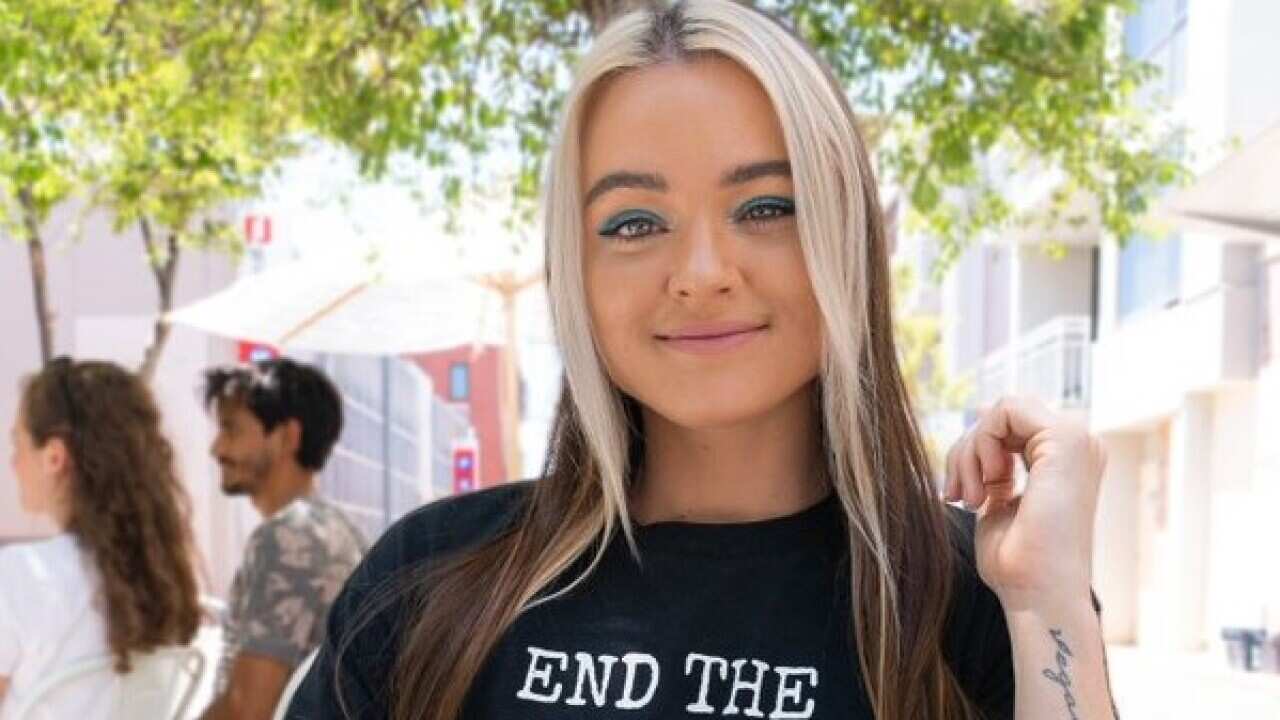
<point x="1156" y="685"/>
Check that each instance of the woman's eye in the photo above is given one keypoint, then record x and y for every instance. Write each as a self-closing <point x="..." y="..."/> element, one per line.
<point x="766" y="209"/>
<point x="631" y="226"/>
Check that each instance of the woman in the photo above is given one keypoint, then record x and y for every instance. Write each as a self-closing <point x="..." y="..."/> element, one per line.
<point x="737" y="516"/>
<point x="118" y="578"/>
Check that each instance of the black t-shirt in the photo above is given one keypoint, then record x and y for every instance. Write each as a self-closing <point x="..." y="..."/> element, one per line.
<point x="747" y="619"/>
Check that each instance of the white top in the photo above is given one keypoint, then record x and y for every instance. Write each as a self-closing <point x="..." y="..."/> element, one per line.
<point x="48" y="620"/>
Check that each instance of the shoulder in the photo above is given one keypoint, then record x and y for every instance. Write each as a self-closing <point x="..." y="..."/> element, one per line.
<point x="30" y="558"/>
<point x="15" y="565"/>
<point x="43" y="568"/>
<point x="428" y="535"/>
<point x="451" y="524"/>
<point x="319" y="521"/>
<point x="370" y="611"/>
<point x="300" y="521"/>
<point x="328" y="516"/>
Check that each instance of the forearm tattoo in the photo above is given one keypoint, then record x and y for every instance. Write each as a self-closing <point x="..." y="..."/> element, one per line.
<point x="1062" y="677"/>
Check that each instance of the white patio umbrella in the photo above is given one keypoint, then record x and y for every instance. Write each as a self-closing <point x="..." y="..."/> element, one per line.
<point x="399" y="303"/>
<point x="343" y="304"/>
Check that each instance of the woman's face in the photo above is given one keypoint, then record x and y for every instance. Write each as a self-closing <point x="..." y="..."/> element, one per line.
<point x="40" y="471"/>
<point x="695" y="277"/>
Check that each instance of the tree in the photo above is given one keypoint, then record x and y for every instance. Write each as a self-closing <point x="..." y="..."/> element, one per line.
<point x="194" y="112"/>
<point x="956" y="81"/>
<point x="189" y="103"/>
<point x="43" y="86"/>
<point x="163" y="114"/>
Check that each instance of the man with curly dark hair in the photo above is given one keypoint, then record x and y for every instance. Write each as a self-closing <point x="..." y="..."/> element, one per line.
<point x="278" y="421"/>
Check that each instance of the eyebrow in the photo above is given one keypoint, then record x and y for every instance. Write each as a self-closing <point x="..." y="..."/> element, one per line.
<point x="653" y="181"/>
<point x="613" y="181"/>
<point x="747" y="173"/>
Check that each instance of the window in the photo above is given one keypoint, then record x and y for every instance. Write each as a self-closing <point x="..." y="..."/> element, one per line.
<point x="1150" y="274"/>
<point x="1157" y="33"/>
<point x="1150" y="269"/>
<point x="459" y="382"/>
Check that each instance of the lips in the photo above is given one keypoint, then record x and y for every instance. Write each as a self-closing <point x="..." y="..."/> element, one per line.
<point x="710" y="331"/>
<point x="712" y="337"/>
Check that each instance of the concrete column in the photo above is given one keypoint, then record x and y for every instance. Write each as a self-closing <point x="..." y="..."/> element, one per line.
<point x="1266" y="450"/>
<point x="1115" y="548"/>
<point x="1012" y="361"/>
<point x="1108" y="285"/>
<point x="1190" y="463"/>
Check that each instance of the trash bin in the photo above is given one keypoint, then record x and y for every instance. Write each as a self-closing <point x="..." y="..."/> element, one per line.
<point x="1271" y="655"/>
<point x="1244" y="647"/>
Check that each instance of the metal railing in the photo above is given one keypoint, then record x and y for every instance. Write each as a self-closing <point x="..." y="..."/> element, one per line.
<point x="1051" y="363"/>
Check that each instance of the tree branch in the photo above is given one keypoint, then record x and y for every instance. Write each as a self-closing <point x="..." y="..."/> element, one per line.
<point x="39" y="273"/>
<point x="110" y="27"/>
<point x="165" y="273"/>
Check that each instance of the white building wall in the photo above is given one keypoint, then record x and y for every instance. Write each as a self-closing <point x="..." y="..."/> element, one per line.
<point x="963" y="320"/>
<point x="1252" y="54"/>
<point x="1185" y="559"/>
<point x="1116" y="538"/>
<point x="1236" y="591"/>
<point x="1053" y="287"/>
<point x="1191" y="373"/>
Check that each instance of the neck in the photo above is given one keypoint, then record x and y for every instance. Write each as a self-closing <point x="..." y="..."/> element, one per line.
<point x="61" y="517"/>
<point x="59" y="512"/>
<point x="762" y="468"/>
<point x="285" y="485"/>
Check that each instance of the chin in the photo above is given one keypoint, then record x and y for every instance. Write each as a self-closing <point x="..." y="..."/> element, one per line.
<point x="711" y="411"/>
<point x="709" y="403"/>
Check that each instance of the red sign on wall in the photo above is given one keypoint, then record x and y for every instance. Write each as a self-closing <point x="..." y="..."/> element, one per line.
<point x="257" y="230"/>
<point x="465" y="471"/>
<point x="253" y="352"/>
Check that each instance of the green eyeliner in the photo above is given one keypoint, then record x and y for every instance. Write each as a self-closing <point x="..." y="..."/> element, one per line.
<point x="617" y="222"/>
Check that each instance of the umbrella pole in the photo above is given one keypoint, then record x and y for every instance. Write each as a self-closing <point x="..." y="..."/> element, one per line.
<point x="508" y="287"/>
<point x="511" y="380"/>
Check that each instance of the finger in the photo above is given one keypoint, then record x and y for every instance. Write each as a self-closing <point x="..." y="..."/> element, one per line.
<point x="997" y="467"/>
<point x="954" y="486"/>
<point x="996" y="462"/>
<point x="951" y="481"/>
<point x="1015" y="420"/>
<point x="971" y="475"/>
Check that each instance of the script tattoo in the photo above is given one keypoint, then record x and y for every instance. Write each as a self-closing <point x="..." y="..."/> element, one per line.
<point x="1061" y="677"/>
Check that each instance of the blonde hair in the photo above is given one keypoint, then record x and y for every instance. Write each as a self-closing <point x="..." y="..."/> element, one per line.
<point x="874" y="455"/>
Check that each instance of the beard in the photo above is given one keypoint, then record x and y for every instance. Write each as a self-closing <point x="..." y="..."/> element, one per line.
<point x="245" y="477"/>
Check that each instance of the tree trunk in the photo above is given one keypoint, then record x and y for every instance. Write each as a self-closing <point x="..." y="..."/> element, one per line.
<point x="39" y="274"/>
<point x="165" y="271"/>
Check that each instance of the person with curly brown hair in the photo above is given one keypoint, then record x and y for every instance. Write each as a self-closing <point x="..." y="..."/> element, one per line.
<point x="118" y="578"/>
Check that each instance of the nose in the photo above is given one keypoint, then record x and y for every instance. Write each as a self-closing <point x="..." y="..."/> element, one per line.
<point x="706" y="265"/>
